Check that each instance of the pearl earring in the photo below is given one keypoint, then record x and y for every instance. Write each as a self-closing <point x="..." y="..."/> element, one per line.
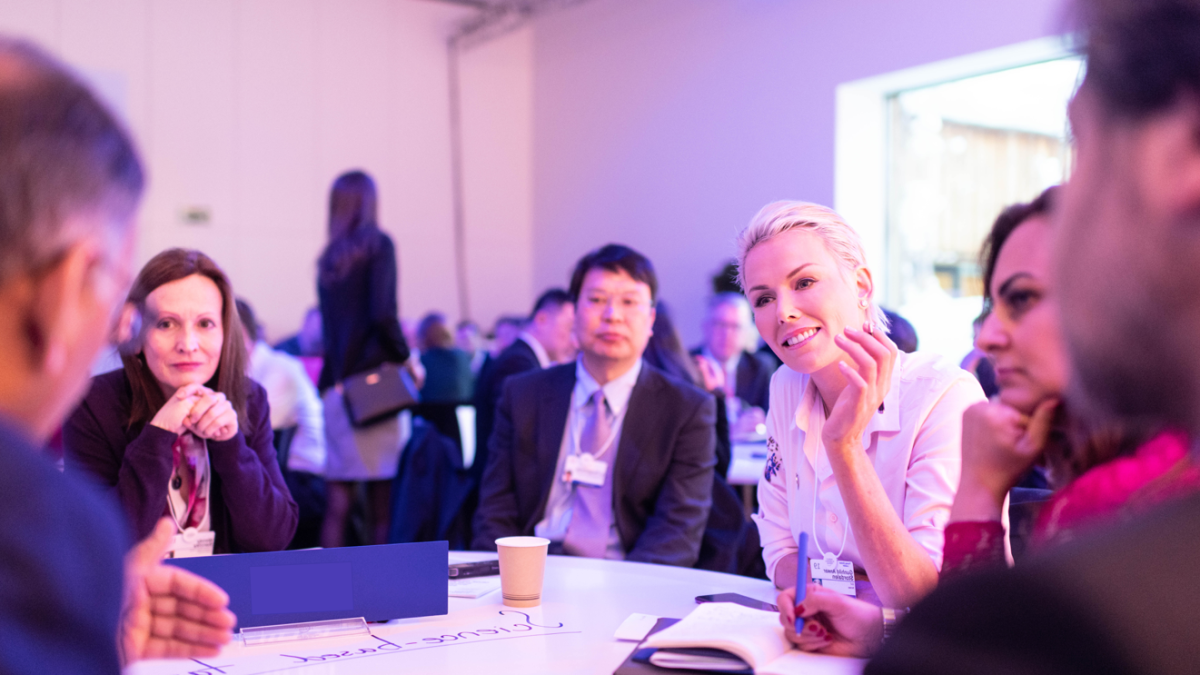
<point x="862" y="303"/>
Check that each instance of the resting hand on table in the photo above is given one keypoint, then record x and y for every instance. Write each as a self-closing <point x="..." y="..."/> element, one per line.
<point x="169" y="612"/>
<point x="867" y="383"/>
<point x="999" y="445"/>
<point x="835" y="624"/>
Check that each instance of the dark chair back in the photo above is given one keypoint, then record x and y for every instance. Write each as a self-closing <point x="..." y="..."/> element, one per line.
<point x="307" y="490"/>
<point x="283" y="445"/>
<point x="442" y="416"/>
<point x="730" y="542"/>
<point x="1023" y="506"/>
<point x="430" y="494"/>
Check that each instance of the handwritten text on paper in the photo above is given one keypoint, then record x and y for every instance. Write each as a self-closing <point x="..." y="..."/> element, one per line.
<point x="504" y="624"/>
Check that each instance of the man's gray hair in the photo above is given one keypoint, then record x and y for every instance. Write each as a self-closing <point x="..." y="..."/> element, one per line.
<point x="728" y="298"/>
<point x="62" y="154"/>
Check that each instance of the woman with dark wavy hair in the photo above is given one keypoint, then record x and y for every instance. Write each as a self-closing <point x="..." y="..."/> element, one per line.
<point x="356" y="284"/>
<point x="180" y="430"/>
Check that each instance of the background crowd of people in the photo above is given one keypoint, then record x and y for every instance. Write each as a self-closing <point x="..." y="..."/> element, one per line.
<point x="595" y="427"/>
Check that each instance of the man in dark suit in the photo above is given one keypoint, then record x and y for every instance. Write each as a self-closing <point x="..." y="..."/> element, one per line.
<point x="70" y="181"/>
<point x="546" y="340"/>
<point x="1128" y="269"/>
<point x="606" y="457"/>
<point x="728" y="327"/>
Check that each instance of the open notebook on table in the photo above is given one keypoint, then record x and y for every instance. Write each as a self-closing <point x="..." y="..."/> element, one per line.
<point x="732" y="637"/>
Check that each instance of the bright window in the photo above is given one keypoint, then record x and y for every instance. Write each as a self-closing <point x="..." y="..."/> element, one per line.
<point x="960" y="152"/>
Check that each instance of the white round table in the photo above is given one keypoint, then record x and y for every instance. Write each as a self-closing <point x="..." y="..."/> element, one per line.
<point x="590" y="598"/>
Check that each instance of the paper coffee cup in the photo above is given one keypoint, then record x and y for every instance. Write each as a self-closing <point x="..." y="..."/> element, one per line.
<point x="522" y="566"/>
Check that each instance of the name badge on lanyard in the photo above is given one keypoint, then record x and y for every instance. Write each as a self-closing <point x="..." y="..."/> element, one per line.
<point x="829" y="570"/>
<point x="585" y="469"/>
<point x="834" y="574"/>
<point x="194" y="537"/>
<point x="192" y="543"/>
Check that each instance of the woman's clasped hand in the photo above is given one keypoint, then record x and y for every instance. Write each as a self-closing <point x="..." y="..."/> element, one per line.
<point x="200" y="410"/>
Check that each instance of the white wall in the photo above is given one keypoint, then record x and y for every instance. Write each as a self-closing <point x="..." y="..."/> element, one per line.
<point x="251" y="107"/>
<point x="498" y="132"/>
<point x="666" y="124"/>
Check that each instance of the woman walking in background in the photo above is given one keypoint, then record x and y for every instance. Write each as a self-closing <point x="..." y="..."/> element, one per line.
<point x="356" y="285"/>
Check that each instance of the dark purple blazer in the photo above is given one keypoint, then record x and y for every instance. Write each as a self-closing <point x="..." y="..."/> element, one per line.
<point x="251" y="507"/>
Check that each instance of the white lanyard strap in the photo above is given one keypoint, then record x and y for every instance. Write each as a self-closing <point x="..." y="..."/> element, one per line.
<point x="816" y="488"/>
<point x="200" y="477"/>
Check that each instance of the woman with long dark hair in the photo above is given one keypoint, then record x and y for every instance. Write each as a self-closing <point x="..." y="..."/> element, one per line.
<point x="356" y="284"/>
<point x="180" y="430"/>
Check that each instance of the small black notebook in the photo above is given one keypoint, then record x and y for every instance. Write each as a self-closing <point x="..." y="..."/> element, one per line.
<point x="632" y="666"/>
<point x="638" y="662"/>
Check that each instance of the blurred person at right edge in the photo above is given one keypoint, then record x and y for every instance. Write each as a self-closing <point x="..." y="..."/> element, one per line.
<point x="1126" y="261"/>
<point x="356" y="285"/>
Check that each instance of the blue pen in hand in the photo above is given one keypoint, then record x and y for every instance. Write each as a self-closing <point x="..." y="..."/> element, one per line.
<point x="801" y="578"/>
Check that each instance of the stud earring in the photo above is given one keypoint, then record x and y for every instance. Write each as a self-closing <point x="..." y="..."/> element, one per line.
<point x="862" y="303"/>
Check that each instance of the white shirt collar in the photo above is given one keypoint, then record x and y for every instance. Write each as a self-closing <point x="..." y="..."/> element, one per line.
<point x="538" y="350"/>
<point x="616" y="392"/>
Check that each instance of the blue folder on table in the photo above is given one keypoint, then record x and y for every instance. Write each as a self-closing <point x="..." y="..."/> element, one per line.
<point x="378" y="583"/>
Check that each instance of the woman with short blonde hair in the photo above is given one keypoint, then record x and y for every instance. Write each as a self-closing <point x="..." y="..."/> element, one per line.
<point x="864" y="442"/>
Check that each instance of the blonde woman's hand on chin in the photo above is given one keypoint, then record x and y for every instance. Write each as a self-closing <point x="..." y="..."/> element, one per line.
<point x="867" y="383"/>
<point x="999" y="445"/>
<point x="212" y="416"/>
<point x="172" y="416"/>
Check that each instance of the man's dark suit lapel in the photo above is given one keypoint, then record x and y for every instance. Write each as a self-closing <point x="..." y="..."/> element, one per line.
<point x="634" y="431"/>
<point x="524" y="346"/>
<point x="553" y="408"/>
